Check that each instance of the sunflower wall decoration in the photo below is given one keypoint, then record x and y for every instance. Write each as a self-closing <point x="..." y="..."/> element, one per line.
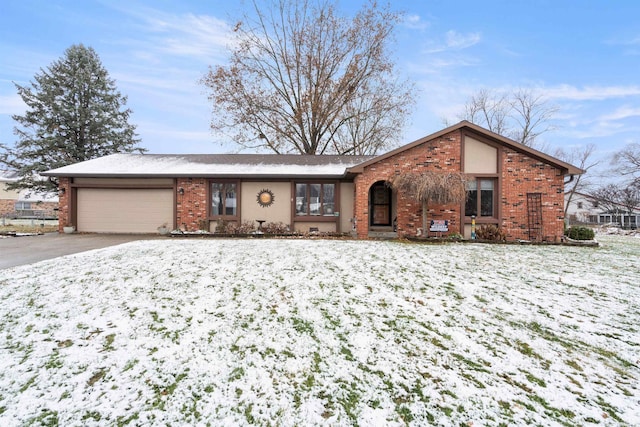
<point x="265" y="198"/>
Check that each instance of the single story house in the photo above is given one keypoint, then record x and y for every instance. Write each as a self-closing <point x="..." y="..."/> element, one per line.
<point x="24" y="203"/>
<point x="517" y="188"/>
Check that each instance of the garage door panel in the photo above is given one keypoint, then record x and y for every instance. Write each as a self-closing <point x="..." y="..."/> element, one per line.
<point x="124" y="210"/>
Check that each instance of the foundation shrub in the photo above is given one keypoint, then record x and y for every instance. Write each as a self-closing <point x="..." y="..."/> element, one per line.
<point x="245" y="227"/>
<point x="222" y="226"/>
<point x="275" y="228"/>
<point x="491" y="233"/>
<point x="579" y="233"/>
<point x="203" y="224"/>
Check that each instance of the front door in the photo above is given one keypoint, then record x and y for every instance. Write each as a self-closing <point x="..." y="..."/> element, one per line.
<point x="380" y="202"/>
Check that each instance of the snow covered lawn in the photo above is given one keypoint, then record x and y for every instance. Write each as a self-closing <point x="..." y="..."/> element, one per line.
<point x="322" y="332"/>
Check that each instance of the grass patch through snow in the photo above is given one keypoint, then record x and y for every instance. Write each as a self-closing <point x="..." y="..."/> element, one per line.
<point x="312" y="332"/>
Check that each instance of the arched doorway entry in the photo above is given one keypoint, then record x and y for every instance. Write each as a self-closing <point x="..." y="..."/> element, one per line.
<point x="380" y="205"/>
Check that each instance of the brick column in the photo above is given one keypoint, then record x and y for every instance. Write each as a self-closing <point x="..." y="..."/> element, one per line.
<point x="64" y="202"/>
<point x="191" y="207"/>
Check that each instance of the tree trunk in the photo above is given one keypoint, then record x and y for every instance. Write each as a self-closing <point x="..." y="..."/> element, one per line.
<point x="424" y="218"/>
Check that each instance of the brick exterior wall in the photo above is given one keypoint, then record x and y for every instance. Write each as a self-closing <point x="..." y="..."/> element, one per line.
<point x="64" y="198"/>
<point x="191" y="207"/>
<point x="7" y="206"/>
<point x="441" y="154"/>
<point x="519" y="175"/>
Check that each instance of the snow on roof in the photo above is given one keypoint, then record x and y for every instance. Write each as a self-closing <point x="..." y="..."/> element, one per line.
<point x="206" y="165"/>
<point x="8" y="175"/>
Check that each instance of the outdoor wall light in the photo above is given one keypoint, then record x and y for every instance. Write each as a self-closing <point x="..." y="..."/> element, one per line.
<point x="61" y="191"/>
<point x="181" y="191"/>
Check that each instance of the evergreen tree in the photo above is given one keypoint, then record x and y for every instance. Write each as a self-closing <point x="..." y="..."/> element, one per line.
<point x="74" y="113"/>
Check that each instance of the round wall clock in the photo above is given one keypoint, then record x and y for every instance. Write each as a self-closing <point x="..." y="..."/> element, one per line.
<point x="265" y="198"/>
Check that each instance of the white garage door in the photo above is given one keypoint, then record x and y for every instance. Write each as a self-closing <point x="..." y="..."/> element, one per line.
<point x="115" y="210"/>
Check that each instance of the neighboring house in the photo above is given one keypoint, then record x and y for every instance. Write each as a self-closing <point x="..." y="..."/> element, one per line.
<point x="512" y="186"/>
<point x="586" y="209"/>
<point x="24" y="203"/>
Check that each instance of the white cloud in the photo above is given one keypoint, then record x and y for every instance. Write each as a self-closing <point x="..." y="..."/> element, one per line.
<point x="459" y="41"/>
<point x="191" y="35"/>
<point x="198" y="37"/>
<point x="170" y="81"/>
<point x="630" y="41"/>
<point x="621" y="113"/>
<point x="600" y="129"/>
<point x="590" y="93"/>
<point x="453" y="41"/>
<point x="415" y="22"/>
<point x="434" y="66"/>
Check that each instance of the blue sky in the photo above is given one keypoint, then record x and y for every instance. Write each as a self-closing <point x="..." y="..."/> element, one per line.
<point x="584" y="56"/>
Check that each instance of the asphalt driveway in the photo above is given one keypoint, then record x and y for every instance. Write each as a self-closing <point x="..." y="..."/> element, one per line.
<point x="16" y="251"/>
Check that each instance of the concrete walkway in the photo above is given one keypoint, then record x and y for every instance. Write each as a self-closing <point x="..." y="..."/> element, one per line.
<point x="16" y="251"/>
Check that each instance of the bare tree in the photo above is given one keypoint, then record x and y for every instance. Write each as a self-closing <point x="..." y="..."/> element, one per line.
<point x="628" y="161"/>
<point x="618" y="200"/>
<point x="522" y="115"/>
<point x="303" y="79"/>
<point x="488" y="110"/>
<point x="581" y="157"/>
<point x="531" y="115"/>
<point x="437" y="187"/>
<point x="608" y="197"/>
<point x="629" y="198"/>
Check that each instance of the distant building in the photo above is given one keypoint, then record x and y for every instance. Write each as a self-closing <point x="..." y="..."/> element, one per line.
<point x="586" y="209"/>
<point x="24" y="203"/>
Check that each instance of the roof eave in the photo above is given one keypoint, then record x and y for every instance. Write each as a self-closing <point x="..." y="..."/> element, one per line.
<point x="183" y="175"/>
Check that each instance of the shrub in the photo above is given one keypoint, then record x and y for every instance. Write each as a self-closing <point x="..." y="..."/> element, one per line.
<point x="221" y="226"/>
<point x="580" y="233"/>
<point x="490" y="232"/>
<point x="203" y="224"/>
<point x="240" y="228"/>
<point x="275" y="228"/>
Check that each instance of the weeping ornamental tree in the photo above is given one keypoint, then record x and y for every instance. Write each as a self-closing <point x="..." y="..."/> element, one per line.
<point x="441" y="188"/>
<point x="303" y="79"/>
<point x="74" y="113"/>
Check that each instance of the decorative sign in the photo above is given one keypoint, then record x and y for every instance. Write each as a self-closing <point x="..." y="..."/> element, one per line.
<point x="439" y="225"/>
<point x="265" y="198"/>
